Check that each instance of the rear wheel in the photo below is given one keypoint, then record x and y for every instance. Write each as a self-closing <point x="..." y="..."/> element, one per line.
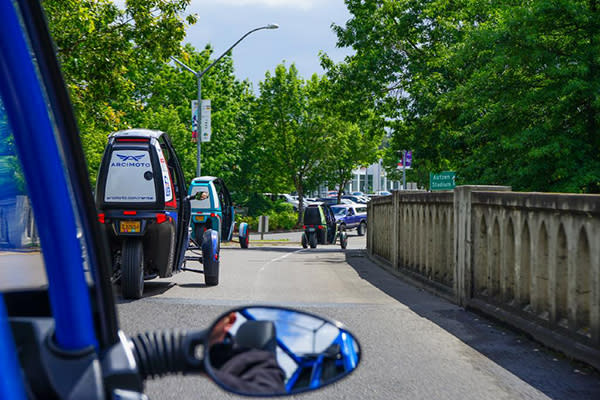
<point x="245" y="237"/>
<point x="312" y="240"/>
<point x="132" y="269"/>
<point x="343" y="239"/>
<point x="304" y="241"/>
<point x="244" y="242"/>
<point x="210" y="258"/>
<point x="362" y="228"/>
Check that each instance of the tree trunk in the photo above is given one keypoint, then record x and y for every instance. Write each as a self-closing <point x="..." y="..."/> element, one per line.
<point x="300" y="191"/>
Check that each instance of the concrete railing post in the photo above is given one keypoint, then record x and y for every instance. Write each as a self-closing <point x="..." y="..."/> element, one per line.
<point x="395" y="229"/>
<point x="370" y="230"/>
<point x="463" y="239"/>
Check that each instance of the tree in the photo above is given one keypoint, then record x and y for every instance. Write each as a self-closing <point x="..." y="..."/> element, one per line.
<point x="502" y="92"/>
<point x="102" y="50"/>
<point x="353" y="125"/>
<point x="292" y="135"/>
<point x="527" y="105"/>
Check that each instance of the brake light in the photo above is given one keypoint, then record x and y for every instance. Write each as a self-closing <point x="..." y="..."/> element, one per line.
<point x="129" y="212"/>
<point x="101" y="218"/>
<point x="303" y="226"/>
<point x="213" y="214"/>
<point x="171" y="203"/>
<point x="160" y="218"/>
<point x="320" y="227"/>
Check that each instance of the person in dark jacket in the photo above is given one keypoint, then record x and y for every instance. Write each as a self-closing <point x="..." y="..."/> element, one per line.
<point x="241" y="366"/>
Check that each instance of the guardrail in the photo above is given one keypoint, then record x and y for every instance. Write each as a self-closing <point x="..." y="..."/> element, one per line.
<point x="529" y="259"/>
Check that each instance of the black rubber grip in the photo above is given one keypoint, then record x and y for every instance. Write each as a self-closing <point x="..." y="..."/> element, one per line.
<point x="160" y="353"/>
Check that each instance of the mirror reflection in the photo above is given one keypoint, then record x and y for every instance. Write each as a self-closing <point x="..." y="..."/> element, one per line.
<point x="268" y="350"/>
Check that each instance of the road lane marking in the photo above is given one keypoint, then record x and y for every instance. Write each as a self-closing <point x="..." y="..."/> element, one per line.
<point x="278" y="259"/>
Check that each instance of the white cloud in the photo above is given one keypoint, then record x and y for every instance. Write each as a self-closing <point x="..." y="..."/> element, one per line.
<point x="298" y="4"/>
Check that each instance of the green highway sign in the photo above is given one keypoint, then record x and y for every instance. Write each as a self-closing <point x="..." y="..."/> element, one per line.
<point x="442" y="181"/>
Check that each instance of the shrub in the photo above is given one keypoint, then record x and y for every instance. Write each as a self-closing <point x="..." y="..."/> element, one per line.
<point x="285" y="220"/>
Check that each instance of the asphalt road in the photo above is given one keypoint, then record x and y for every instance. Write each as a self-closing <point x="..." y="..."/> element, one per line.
<point x="414" y="345"/>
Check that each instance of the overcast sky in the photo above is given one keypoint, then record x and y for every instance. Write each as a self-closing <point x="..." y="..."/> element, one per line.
<point x="304" y="30"/>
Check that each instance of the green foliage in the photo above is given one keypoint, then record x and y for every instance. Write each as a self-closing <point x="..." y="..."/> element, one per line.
<point x="104" y="51"/>
<point x="116" y="66"/>
<point x="501" y="92"/>
<point x="283" y="220"/>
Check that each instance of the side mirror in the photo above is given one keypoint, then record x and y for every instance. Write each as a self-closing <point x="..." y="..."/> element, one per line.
<point x="266" y="350"/>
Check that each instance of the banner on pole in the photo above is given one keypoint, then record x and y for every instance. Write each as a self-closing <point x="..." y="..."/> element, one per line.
<point x="408" y="160"/>
<point x="194" y="120"/>
<point x="205" y="127"/>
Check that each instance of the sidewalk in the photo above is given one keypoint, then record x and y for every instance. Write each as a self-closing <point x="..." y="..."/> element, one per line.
<point x="269" y="239"/>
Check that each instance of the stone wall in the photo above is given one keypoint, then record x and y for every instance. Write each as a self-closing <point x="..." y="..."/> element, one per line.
<point x="529" y="259"/>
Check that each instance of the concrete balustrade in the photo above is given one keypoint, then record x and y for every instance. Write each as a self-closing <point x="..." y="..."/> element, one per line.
<point x="529" y="259"/>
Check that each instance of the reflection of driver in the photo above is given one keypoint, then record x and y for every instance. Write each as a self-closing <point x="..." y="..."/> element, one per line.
<point x="241" y="366"/>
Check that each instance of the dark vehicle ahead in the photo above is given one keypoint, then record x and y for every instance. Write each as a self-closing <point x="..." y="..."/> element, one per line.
<point x="321" y="227"/>
<point x="142" y="205"/>
<point x="351" y="216"/>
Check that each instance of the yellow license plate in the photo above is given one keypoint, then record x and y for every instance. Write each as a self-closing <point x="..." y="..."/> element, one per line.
<point x="199" y="218"/>
<point x="129" y="226"/>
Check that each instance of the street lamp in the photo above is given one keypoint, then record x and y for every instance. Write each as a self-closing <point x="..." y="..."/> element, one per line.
<point x="199" y="78"/>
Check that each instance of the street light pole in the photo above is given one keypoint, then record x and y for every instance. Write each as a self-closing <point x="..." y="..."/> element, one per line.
<point x="199" y="76"/>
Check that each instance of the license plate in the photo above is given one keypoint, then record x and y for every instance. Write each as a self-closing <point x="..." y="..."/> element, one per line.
<point x="129" y="226"/>
<point x="199" y="218"/>
<point x="311" y="229"/>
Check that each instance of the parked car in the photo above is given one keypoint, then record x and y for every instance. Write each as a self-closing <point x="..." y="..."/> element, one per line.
<point x="356" y="199"/>
<point x="142" y="206"/>
<point x="288" y="198"/>
<point x="320" y="227"/>
<point x="333" y="200"/>
<point x="351" y="216"/>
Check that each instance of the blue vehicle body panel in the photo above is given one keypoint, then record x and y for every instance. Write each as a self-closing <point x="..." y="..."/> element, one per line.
<point x="243" y="229"/>
<point x="11" y="384"/>
<point x="214" y="212"/>
<point x="49" y="193"/>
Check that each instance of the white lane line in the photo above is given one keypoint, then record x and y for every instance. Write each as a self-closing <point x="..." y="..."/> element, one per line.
<point x="278" y="259"/>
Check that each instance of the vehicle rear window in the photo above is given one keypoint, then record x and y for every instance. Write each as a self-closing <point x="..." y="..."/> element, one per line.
<point x="339" y="210"/>
<point x="312" y="216"/>
<point x="361" y="210"/>
<point x="206" y="203"/>
<point x="130" y="177"/>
